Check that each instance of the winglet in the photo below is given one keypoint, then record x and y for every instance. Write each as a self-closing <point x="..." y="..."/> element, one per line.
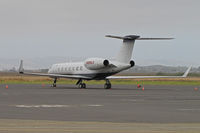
<point x="21" y="69"/>
<point x="186" y="72"/>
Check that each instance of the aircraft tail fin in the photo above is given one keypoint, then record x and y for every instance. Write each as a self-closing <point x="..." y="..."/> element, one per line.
<point x="126" y="50"/>
<point x="21" y="69"/>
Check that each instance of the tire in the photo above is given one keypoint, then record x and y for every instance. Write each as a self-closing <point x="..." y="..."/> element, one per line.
<point x="107" y="86"/>
<point x="84" y="85"/>
<point x="80" y="86"/>
<point x="54" y="85"/>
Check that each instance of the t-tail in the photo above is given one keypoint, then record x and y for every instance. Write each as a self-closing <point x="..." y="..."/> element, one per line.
<point x="126" y="49"/>
<point x="21" y="69"/>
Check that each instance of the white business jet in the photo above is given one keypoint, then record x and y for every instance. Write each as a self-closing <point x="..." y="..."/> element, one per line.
<point x="100" y="68"/>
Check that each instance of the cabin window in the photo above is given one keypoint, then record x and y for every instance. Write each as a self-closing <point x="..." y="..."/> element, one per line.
<point x="81" y="68"/>
<point x="72" y="68"/>
<point x="77" y="68"/>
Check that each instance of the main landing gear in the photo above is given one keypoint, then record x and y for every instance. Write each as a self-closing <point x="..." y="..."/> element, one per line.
<point x="107" y="85"/>
<point x="80" y="84"/>
<point x="54" y="82"/>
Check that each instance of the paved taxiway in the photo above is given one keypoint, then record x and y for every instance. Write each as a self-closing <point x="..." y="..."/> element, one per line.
<point x="123" y="103"/>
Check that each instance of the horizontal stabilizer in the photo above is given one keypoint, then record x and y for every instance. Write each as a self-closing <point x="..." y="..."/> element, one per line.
<point x="135" y="37"/>
<point x="130" y="37"/>
<point x="154" y="38"/>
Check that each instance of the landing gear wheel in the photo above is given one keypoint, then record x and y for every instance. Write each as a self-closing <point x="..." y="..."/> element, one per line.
<point x="107" y="86"/>
<point x="82" y="85"/>
<point x="79" y="86"/>
<point x="54" y="82"/>
<point x="54" y="85"/>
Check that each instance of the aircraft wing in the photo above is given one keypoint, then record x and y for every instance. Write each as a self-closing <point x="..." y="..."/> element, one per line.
<point x="21" y="71"/>
<point x="57" y="75"/>
<point x="141" y="77"/>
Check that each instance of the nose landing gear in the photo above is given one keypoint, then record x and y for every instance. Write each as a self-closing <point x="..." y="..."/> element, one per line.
<point x="54" y="82"/>
<point x="107" y="85"/>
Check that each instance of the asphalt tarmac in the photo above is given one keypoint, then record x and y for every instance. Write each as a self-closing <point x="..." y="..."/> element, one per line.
<point x="122" y="103"/>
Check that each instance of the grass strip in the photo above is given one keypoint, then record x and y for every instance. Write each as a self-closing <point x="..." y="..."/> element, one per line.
<point x="117" y="81"/>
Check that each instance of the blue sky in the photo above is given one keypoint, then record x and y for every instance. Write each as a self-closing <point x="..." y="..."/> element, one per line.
<point x="74" y="28"/>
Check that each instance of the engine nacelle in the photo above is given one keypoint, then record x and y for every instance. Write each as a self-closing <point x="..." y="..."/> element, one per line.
<point x="96" y="63"/>
<point x="132" y="63"/>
